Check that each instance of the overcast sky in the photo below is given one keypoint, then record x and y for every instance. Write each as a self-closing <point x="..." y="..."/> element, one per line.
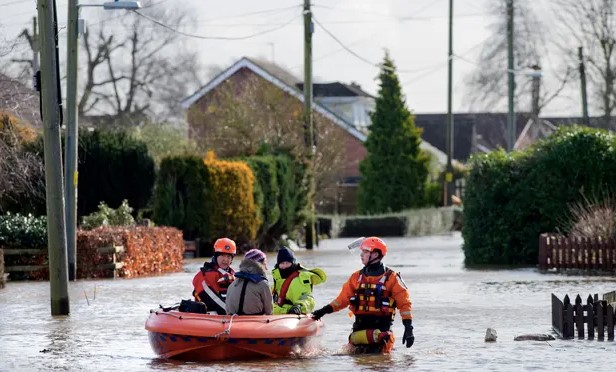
<point x="414" y="31"/>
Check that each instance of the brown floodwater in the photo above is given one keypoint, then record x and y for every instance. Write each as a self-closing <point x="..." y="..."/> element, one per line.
<point x="452" y="307"/>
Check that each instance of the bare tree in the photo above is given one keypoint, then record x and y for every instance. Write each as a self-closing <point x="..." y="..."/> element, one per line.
<point x="488" y="83"/>
<point x="21" y="172"/>
<point x="591" y="24"/>
<point x="247" y="113"/>
<point x="138" y="68"/>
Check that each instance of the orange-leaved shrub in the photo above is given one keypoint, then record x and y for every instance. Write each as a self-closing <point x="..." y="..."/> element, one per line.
<point x="147" y="250"/>
<point x="232" y="208"/>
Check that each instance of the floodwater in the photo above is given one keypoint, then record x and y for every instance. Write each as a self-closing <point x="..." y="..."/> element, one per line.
<point x="452" y="307"/>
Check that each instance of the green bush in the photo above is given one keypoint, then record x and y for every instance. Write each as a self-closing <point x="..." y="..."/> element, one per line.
<point x="267" y="191"/>
<point x="512" y="198"/>
<point x="112" y="167"/>
<point x="232" y="211"/>
<point x="180" y="196"/>
<point x="19" y="231"/>
<point x="293" y="195"/>
<point x="106" y="216"/>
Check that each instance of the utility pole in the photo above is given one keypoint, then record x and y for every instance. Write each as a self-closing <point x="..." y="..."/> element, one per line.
<point x="51" y="111"/>
<point x="35" y="51"/>
<point x="449" y="186"/>
<point x="585" y="119"/>
<point x="71" y="137"/>
<point x="511" y="127"/>
<point x="535" y="89"/>
<point x="308" y="123"/>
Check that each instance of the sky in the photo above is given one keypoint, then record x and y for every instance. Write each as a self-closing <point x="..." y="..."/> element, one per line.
<point x="349" y="41"/>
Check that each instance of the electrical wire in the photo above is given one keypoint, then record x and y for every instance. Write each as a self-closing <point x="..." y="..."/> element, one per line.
<point x="259" y="12"/>
<point x="216" y="37"/>
<point x="13" y="2"/>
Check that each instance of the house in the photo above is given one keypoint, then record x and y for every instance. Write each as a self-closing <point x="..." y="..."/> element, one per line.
<point x="349" y="101"/>
<point x="340" y="114"/>
<point x="20" y="101"/>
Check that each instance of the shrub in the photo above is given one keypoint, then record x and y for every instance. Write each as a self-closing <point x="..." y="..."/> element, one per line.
<point x="106" y="216"/>
<point x="266" y="194"/>
<point x="180" y="196"/>
<point x="511" y="198"/>
<point x="112" y="167"/>
<point x="232" y="210"/>
<point x="19" y="231"/>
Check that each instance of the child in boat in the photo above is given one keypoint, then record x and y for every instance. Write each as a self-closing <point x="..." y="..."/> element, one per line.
<point x="250" y="294"/>
<point x="292" y="290"/>
<point x="211" y="282"/>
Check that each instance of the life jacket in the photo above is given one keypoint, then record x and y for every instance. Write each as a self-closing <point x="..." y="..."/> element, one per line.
<point x="215" y="278"/>
<point x="373" y="297"/>
<point x="281" y="298"/>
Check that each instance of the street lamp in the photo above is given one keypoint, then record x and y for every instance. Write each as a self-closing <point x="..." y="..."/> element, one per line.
<point x="70" y="147"/>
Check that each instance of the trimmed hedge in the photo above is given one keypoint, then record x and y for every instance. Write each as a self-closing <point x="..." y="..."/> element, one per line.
<point x="266" y="192"/>
<point x="253" y="201"/>
<point x="113" y="166"/>
<point x="231" y="205"/>
<point x="147" y="250"/>
<point x="411" y="222"/>
<point x="180" y="196"/>
<point x="512" y="198"/>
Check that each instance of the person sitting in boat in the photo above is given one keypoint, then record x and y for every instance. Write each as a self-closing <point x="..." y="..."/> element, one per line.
<point x="250" y="293"/>
<point x="292" y="291"/>
<point x="211" y="282"/>
<point x="373" y="294"/>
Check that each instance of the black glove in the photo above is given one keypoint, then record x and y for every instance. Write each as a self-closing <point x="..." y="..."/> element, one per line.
<point x="408" y="337"/>
<point x="318" y="314"/>
<point x="295" y="309"/>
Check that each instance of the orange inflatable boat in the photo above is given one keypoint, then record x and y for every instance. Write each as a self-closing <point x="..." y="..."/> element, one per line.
<point x="204" y="337"/>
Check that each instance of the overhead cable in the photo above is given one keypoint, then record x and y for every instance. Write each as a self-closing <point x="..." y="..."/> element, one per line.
<point x="216" y="37"/>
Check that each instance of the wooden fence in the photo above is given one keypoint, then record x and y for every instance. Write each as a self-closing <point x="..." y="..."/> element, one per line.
<point x="560" y="253"/>
<point x="596" y="315"/>
<point x="112" y="266"/>
<point x="2" y="277"/>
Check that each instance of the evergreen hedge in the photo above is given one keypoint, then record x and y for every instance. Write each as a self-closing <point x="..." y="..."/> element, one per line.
<point x="267" y="192"/>
<point x="113" y="166"/>
<point x="231" y="208"/>
<point x="180" y="196"/>
<point x="255" y="200"/>
<point x="512" y="198"/>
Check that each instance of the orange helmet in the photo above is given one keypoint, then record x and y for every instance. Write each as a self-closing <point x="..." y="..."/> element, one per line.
<point x="225" y="245"/>
<point x="374" y="244"/>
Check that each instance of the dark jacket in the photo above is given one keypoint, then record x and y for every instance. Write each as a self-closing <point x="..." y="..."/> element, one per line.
<point x="257" y="296"/>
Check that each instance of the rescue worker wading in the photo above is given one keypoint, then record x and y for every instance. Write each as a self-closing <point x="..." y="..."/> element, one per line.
<point x="292" y="289"/>
<point x="211" y="282"/>
<point x="373" y="294"/>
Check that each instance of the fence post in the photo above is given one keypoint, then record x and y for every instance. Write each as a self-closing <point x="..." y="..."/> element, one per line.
<point x="567" y="318"/>
<point x="609" y="310"/>
<point x="543" y="251"/>
<point x="557" y="315"/>
<point x="590" y="315"/>
<point x="579" y="316"/>
<point x="600" y="329"/>
<point x="609" y="254"/>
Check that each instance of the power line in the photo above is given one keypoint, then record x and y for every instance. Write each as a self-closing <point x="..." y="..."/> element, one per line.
<point x="365" y="60"/>
<point x="13" y="2"/>
<point x="216" y="37"/>
<point x="442" y="65"/>
<point x="274" y="10"/>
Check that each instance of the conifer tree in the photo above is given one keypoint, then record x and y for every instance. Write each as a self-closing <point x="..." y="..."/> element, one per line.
<point x="395" y="169"/>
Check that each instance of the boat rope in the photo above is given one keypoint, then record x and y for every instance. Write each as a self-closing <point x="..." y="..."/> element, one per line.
<point x="227" y="331"/>
<point x="223" y="319"/>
